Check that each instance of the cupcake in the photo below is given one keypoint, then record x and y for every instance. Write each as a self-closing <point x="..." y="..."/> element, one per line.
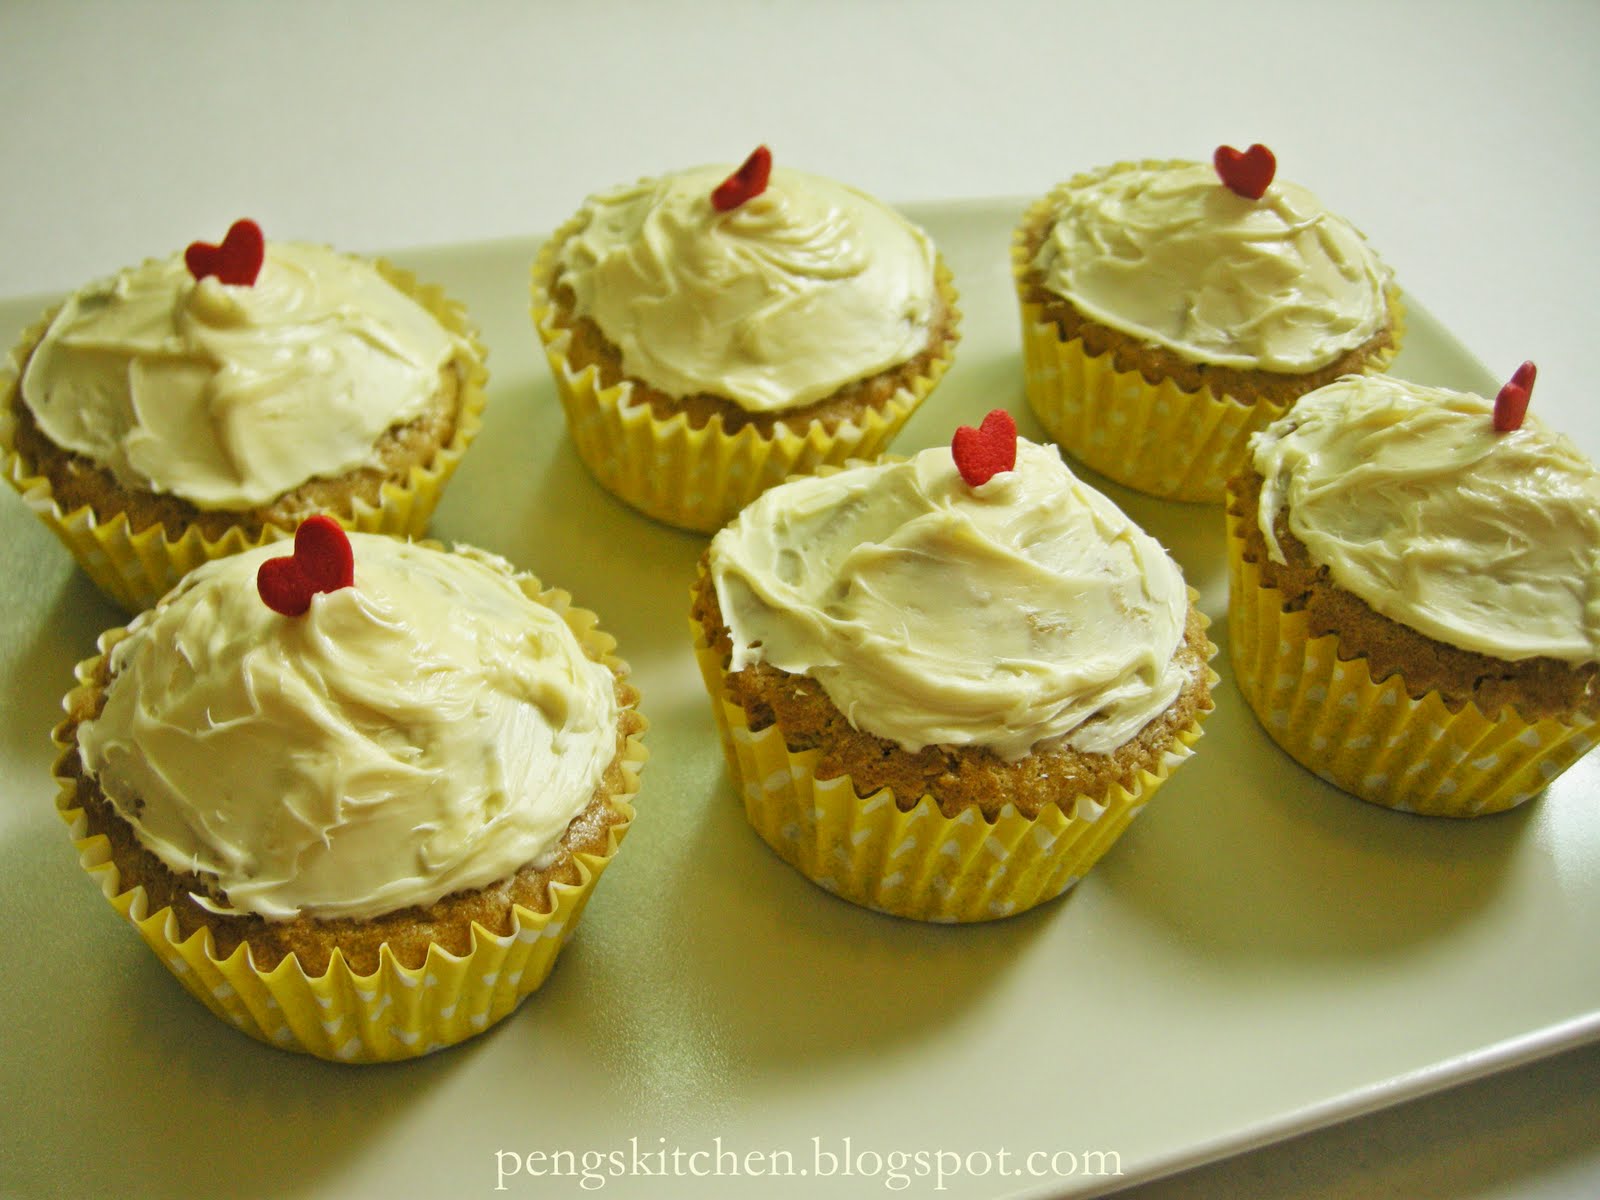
<point x="1412" y="594"/>
<point x="1170" y="309"/>
<point x="196" y="405"/>
<point x="711" y="334"/>
<point x="355" y="797"/>
<point x="944" y="691"/>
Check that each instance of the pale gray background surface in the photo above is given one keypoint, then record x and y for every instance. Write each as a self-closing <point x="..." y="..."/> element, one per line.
<point x="1459" y="136"/>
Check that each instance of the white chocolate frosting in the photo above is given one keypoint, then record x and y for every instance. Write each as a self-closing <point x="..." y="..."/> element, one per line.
<point x="1027" y="609"/>
<point x="777" y="303"/>
<point x="228" y="396"/>
<point x="1487" y="541"/>
<point x="1164" y="252"/>
<point x="430" y="729"/>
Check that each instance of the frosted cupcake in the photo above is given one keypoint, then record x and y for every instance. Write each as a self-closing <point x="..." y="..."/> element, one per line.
<point x="362" y="826"/>
<point x="946" y="699"/>
<point x="711" y="334"/>
<point x="1412" y="610"/>
<point x="1170" y="309"/>
<point x="192" y="406"/>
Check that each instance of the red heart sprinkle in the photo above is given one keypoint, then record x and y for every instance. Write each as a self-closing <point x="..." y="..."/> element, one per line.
<point x="1511" y="402"/>
<point x="237" y="260"/>
<point x="748" y="182"/>
<point x="984" y="452"/>
<point x="1246" y="173"/>
<point x="322" y="562"/>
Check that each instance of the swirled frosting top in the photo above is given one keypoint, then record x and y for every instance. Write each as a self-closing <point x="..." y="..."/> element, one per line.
<point x="1165" y="253"/>
<point x="428" y="730"/>
<point x="1487" y="541"/>
<point x="1006" y="615"/>
<point x="228" y="396"/>
<point x="777" y="303"/>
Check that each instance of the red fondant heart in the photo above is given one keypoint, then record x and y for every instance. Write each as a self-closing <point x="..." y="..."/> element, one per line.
<point x="237" y="260"/>
<point x="322" y="562"/>
<point x="748" y="182"/>
<point x="1247" y="173"/>
<point x="1511" y="403"/>
<point x="984" y="452"/>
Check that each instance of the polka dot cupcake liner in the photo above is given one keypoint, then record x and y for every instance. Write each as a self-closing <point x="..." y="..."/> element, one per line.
<point x="698" y="479"/>
<point x="1372" y="739"/>
<point x="397" y="1011"/>
<point x="917" y="863"/>
<point x="1153" y="437"/>
<point x="136" y="567"/>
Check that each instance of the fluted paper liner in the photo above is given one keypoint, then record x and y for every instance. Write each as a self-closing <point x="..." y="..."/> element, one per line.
<point x="396" y="1012"/>
<point x="1372" y="739"/>
<point x="697" y="479"/>
<point x="136" y="567"/>
<point x="1153" y="437"/>
<point x="918" y="863"/>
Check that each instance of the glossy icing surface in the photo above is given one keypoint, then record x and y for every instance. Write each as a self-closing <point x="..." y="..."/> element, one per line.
<point x="1026" y="609"/>
<point x="779" y="302"/>
<point x="228" y="396"/>
<point x="430" y="729"/>
<point x="1164" y="252"/>
<point x="1488" y="541"/>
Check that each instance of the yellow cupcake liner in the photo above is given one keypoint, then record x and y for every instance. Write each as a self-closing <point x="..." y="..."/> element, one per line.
<point x="1153" y="437"/>
<point x="396" y="1012"/>
<point x="1373" y="739"/>
<point x="697" y="479"/>
<point x="136" y="567"/>
<point x="919" y="863"/>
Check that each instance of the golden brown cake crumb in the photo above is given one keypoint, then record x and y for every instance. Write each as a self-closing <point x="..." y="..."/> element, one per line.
<point x="78" y="481"/>
<point x="590" y="347"/>
<point x="1535" y="687"/>
<point x="956" y="777"/>
<point x="1156" y="363"/>
<point x="408" y="932"/>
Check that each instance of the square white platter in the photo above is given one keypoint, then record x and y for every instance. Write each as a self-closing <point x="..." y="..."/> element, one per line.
<point x="1260" y="954"/>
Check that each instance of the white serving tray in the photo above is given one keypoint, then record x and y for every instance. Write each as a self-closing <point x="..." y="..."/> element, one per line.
<point x="1259" y="955"/>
